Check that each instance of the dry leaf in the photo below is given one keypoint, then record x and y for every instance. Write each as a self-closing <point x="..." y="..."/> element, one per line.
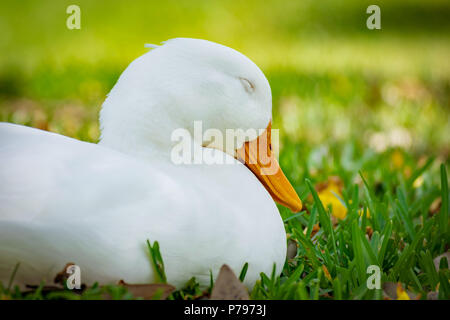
<point x="369" y="231"/>
<point x="149" y="291"/>
<point x="390" y="290"/>
<point x="62" y="276"/>
<point x="228" y="286"/>
<point x="291" y="249"/>
<point x="433" y="295"/>
<point x="326" y="272"/>
<point x="395" y="291"/>
<point x="437" y="260"/>
<point x="48" y="289"/>
<point x="314" y="230"/>
<point x="435" y="206"/>
<point x="61" y="279"/>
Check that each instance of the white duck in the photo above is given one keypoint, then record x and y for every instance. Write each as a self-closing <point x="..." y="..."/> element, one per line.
<point x="64" y="200"/>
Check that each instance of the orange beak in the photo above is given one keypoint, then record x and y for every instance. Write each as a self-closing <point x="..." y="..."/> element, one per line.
<point x="257" y="155"/>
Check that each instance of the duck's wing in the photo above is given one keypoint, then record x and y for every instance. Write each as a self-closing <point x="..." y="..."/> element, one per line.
<point x="41" y="171"/>
<point x="64" y="200"/>
<point x="32" y="161"/>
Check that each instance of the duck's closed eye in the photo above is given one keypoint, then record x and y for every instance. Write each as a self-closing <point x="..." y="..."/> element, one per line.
<point x="248" y="86"/>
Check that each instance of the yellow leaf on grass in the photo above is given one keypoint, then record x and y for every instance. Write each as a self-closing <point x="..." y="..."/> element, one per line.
<point x="397" y="159"/>
<point x="329" y="193"/>
<point x="326" y="272"/>
<point x="338" y="209"/>
<point x="401" y="293"/>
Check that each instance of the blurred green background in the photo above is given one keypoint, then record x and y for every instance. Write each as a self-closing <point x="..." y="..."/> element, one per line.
<point x="347" y="100"/>
<point x="336" y="85"/>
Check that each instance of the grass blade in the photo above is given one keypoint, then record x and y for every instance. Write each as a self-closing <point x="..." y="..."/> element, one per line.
<point x="157" y="262"/>
<point x="243" y="272"/>
<point x="443" y="214"/>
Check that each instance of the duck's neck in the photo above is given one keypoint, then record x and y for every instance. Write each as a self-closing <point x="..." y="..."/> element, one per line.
<point x="137" y="137"/>
<point x="137" y="144"/>
<point x="146" y="139"/>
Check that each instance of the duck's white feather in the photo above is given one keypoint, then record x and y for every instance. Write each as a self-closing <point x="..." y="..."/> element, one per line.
<point x="63" y="200"/>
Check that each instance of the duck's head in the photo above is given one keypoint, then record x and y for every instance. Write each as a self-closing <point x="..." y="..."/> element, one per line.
<point x="189" y="80"/>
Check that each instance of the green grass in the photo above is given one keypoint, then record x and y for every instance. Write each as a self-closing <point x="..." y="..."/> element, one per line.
<point x="370" y="107"/>
<point x="332" y="264"/>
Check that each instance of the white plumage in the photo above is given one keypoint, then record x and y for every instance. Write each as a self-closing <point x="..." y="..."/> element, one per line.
<point x="63" y="200"/>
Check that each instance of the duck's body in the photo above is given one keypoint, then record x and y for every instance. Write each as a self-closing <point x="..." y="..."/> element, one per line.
<point x="63" y="200"/>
